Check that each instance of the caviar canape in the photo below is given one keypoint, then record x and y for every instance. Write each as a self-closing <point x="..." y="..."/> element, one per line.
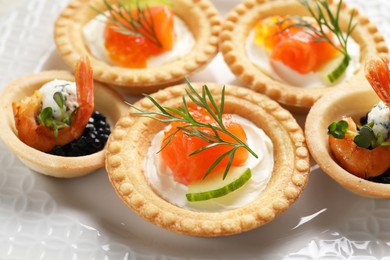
<point x="139" y="46"/>
<point x="355" y="152"/>
<point x="211" y="198"/>
<point x="57" y="126"/>
<point x="293" y="51"/>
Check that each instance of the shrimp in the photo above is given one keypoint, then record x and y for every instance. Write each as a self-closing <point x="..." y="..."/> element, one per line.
<point x="42" y="137"/>
<point x="378" y="75"/>
<point x="360" y="161"/>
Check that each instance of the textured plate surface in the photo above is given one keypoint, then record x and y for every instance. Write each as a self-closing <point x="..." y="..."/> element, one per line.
<point x="46" y="218"/>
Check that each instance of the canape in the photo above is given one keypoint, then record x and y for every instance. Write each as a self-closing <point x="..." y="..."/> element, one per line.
<point x="45" y="155"/>
<point x="347" y="134"/>
<point x="270" y="45"/>
<point x="84" y="28"/>
<point x="205" y="200"/>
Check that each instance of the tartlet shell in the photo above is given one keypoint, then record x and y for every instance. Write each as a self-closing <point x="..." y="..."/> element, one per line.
<point x="126" y="153"/>
<point x="243" y="18"/>
<point x="107" y="101"/>
<point x="200" y="16"/>
<point x="354" y="102"/>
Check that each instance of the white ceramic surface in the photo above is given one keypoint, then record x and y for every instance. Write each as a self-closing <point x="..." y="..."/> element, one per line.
<point x="47" y="218"/>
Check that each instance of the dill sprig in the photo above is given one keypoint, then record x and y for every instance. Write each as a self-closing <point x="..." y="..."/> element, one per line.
<point x="320" y="10"/>
<point x="122" y="18"/>
<point x="193" y="127"/>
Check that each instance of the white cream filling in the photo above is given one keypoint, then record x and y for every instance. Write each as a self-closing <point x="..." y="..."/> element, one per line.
<point x="161" y="179"/>
<point x="380" y="116"/>
<point x="68" y="91"/>
<point x="93" y="33"/>
<point x="280" y="72"/>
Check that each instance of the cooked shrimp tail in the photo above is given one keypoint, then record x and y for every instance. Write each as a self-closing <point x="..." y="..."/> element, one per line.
<point x="85" y="96"/>
<point x="378" y="75"/>
<point x="84" y="83"/>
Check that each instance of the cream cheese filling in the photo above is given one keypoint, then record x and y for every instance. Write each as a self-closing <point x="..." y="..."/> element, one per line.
<point x="68" y="91"/>
<point x="280" y="72"/>
<point x="93" y="33"/>
<point x="379" y="115"/>
<point x="162" y="181"/>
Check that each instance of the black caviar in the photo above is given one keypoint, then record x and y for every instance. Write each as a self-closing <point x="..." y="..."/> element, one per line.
<point x="364" y="119"/>
<point x="383" y="178"/>
<point x="91" y="141"/>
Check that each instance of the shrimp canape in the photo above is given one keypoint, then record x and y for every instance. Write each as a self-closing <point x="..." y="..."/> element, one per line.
<point x="356" y="150"/>
<point x="57" y="126"/>
<point x="139" y="46"/>
<point x="57" y="113"/>
<point x="293" y="52"/>
<point x="364" y="151"/>
<point x="213" y="161"/>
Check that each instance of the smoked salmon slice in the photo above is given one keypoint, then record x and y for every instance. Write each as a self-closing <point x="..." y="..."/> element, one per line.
<point x="133" y="51"/>
<point x="296" y="47"/>
<point x="191" y="169"/>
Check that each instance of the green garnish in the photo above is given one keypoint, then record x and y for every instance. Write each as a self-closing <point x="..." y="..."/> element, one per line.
<point x="339" y="129"/>
<point x="46" y="117"/>
<point x="193" y="127"/>
<point x="121" y="17"/>
<point x="320" y="11"/>
<point x="364" y="137"/>
<point x="339" y="70"/>
<point x="220" y="189"/>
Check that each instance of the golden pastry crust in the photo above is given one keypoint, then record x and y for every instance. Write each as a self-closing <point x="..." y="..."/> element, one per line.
<point x="200" y="16"/>
<point x="110" y="103"/>
<point x="355" y="102"/>
<point x="240" y="21"/>
<point x="126" y="153"/>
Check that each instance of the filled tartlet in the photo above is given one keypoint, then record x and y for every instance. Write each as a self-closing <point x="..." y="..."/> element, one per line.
<point x="57" y="123"/>
<point x="353" y="144"/>
<point x="139" y="46"/>
<point x="296" y="51"/>
<point x="213" y="160"/>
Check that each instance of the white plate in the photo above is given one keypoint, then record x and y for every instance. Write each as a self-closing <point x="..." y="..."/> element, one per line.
<point x="47" y="218"/>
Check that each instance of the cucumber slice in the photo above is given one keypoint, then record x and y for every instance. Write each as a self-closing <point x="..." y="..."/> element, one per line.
<point x="334" y="69"/>
<point x="339" y="71"/>
<point x="210" y="189"/>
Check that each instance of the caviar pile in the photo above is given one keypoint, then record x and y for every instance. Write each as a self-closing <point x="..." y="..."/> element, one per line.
<point x="92" y="140"/>
<point x="383" y="178"/>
